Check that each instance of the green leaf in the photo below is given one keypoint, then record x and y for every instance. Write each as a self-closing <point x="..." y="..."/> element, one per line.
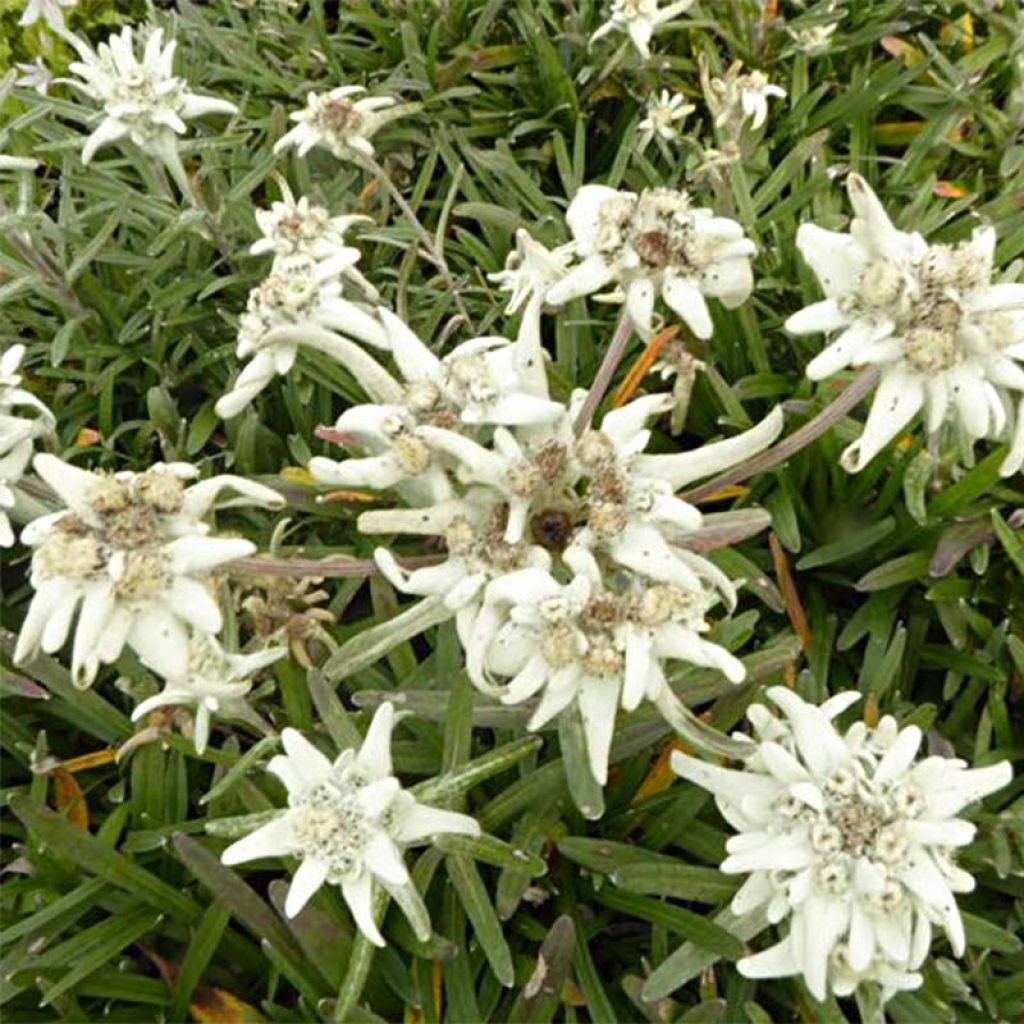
<point x="480" y="911"/>
<point x="58" y="835"/>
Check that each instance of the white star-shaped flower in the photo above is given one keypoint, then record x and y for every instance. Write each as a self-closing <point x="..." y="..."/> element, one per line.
<point x="35" y="76"/>
<point x="656" y="244"/>
<point x="483" y="381"/>
<point x="530" y="271"/>
<point x="18" y="432"/>
<point x="298" y="227"/>
<point x="349" y="823"/>
<point x="584" y="643"/>
<point x="142" y="99"/>
<point x="640" y="19"/>
<point x="850" y="838"/>
<point x="299" y="303"/>
<point x="215" y="682"/>
<point x="131" y="551"/>
<point x="948" y="341"/>
<point x="665" y="114"/>
<point x="340" y="123"/>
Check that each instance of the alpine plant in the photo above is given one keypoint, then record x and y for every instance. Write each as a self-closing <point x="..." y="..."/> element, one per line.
<point x="349" y="823"/>
<point x="132" y="555"/>
<point x="18" y="433"/>
<point x="656" y="244"/>
<point x="848" y="837"/>
<point x="948" y="341"/>
<point x="142" y="100"/>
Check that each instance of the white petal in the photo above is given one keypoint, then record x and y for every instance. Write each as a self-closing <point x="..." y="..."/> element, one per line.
<point x="308" y="762"/>
<point x="275" y="839"/>
<point x="584" y="215"/>
<point x="161" y="641"/>
<point x="899" y="397"/>
<point x="640" y="304"/>
<point x="676" y="641"/>
<point x="836" y="259"/>
<point x="685" y="298"/>
<point x="822" y="316"/>
<point x="419" y="821"/>
<point x="375" y="754"/>
<point x="598" y="701"/>
<point x="775" y="962"/>
<point x="593" y="274"/>
<point x="358" y="895"/>
<point x="191" y="601"/>
<point x="900" y="756"/>
<point x="312" y="873"/>
<point x="821" y="747"/>
<point x="385" y="861"/>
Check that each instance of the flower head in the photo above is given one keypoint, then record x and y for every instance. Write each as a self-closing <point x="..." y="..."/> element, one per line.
<point x="593" y="643"/>
<point x="481" y="382"/>
<point x="665" y="114"/>
<point x="640" y="19"/>
<point x="848" y="836"/>
<point x="340" y="123"/>
<point x="656" y="243"/>
<point x="348" y="823"/>
<point x="294" y="227"/>
<point x="740" y="97"/>
<point x="142" y="99"/>
<point x="18" y="432"/>
<point x="133" y="551"/>
<point x="299" y="303"/>
<point x="531" y="270"/>
<point x="948" y="341"/>
<point x="35" y="76"/>
<point x="215" y="681"/>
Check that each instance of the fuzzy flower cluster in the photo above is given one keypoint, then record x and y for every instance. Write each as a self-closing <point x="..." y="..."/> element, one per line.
<point x="301" y="302"/>
<point x="640" y="19"/>
<point x="340" y="123"/>
<point x="848" y="836"/>
<point x="18" y="433"/>
<point x="348" y="823"/>
<point x="656" y="244"/>
<point x="131" y="554"/>
<point x="536" y="512"/>
<point x="948" y="341"/>
<point x="142" y="99"/>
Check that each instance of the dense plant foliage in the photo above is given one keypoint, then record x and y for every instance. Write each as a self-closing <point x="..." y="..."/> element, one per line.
<point x="155" y="321"/>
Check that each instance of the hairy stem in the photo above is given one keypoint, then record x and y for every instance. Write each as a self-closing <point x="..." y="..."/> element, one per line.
<point x="610" y="363"/>
<point x="789" y="446"/>
<point x="333" y="568"/>
<point x="431" y="249"/>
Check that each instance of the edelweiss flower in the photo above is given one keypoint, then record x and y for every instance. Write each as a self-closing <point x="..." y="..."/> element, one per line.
<point x="483" y="381"/>
<point x="340" y="123"/>
<point x="35" y="76"/>
<point x="474" y="530"/>
<point x="133" y="551"/>
<point x="947" y="340"/>
<point x="49" y="10"/>
<point x="349" y="823"/>
<point x="640" y="18"/>
<point x="738" y="97"/>
<point x="850" y="838"/>
<point x="653" y="244"/>
<point x="632" y="513"/>
<point x="530" y="271"/>
<point x="296" y="227"/>
<point x="299" y="303"/>
<point x="582" y="642"/>
<point x="17" y="433"/>
<point x="815" y="39"/>
<point x="215" y="681"/>
<point x="665" y="114"/>
<point x="143" y="101"/>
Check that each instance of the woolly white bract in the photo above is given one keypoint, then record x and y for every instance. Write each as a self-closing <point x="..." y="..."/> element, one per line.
<point x="18" y="433"/>
<point x="640" y="19"/>
<point x="848" y="836"/>
<point x="948" y="341"/>
<point x="46" y="10"/>
<point x="656" y="244"/>
<point x="133" y="551"/>
<point x="300" y="303"/>
<point x="349" y="823"/>
<point x="215" y="681"/>
<point x="340" y="123"/>
<point x="142" y="99"/>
